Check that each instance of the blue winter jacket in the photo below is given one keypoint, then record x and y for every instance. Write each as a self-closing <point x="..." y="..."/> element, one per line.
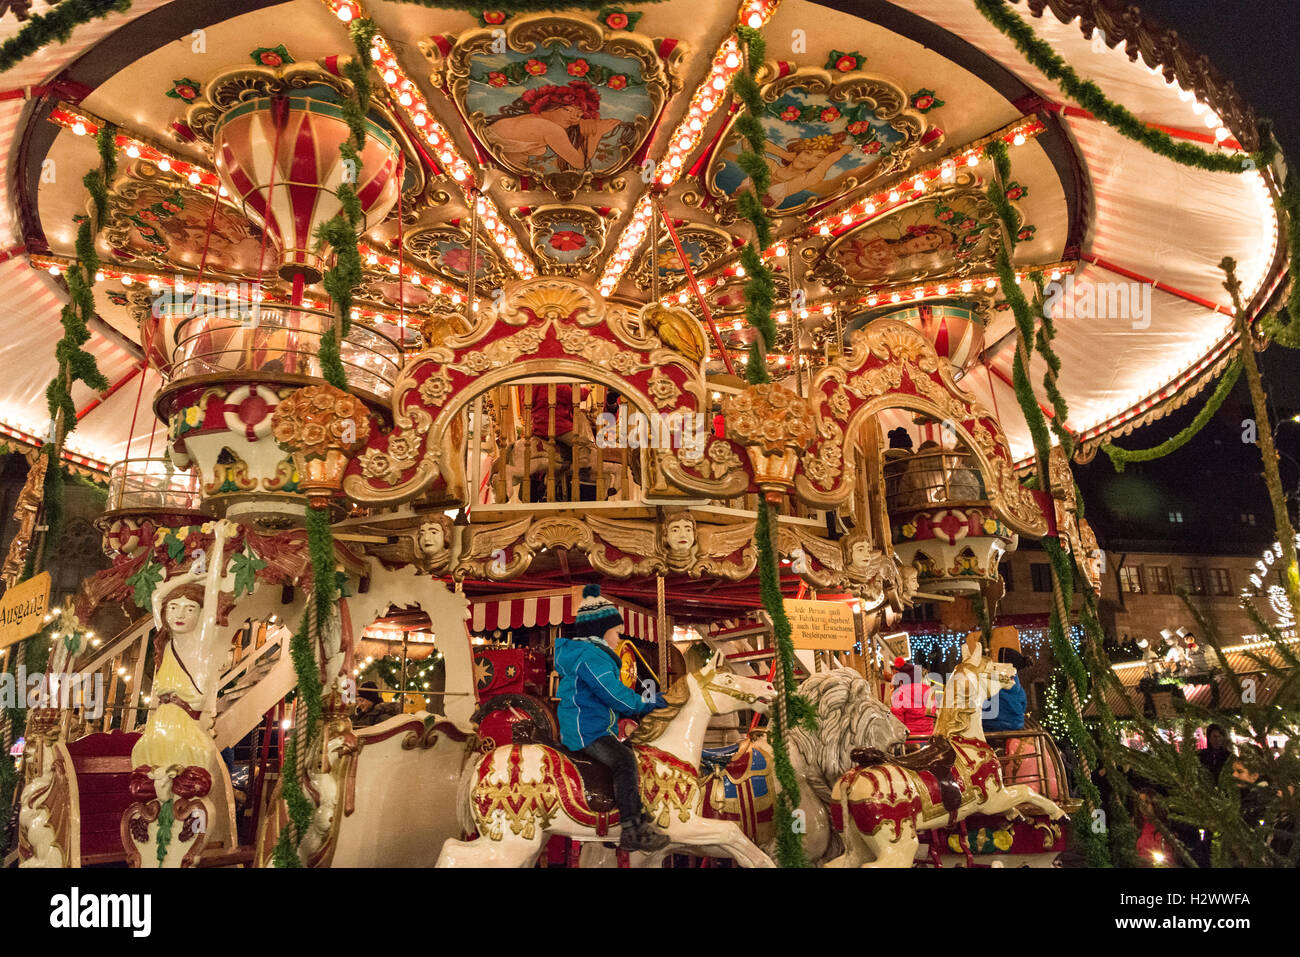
<point x="592" y="698"/>
<point x="1010" y="713"/>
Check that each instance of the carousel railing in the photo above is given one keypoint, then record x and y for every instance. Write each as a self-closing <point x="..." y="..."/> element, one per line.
<point x="224" y="338"/>
<point x="1030" y="756"/>
<point x="152" y="484"/>
<point x="117" y="669"/>
<point x="924" y="479"/>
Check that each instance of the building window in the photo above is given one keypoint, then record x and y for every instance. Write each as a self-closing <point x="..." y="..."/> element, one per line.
<point x="1130" y="579"/>
<point x="1005" y="571"/>
<point x="1158" y="579"/>
<point x="1196" y="581"/>
<point x="1221" y="581"/>
<point x="1041" y="573"/>
<point x="1176" y="518"/>
<point x="1247" y="518"/>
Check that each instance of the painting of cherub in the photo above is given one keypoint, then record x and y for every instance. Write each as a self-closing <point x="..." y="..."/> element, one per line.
<point x="815" y="150"/>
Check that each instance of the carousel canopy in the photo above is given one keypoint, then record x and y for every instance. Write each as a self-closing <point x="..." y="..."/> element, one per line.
<point x="567" y="120"/>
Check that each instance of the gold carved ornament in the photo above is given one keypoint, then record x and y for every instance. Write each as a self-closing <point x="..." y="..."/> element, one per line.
<point x="596" y="342"/>
<point x="776" y="427"/>
<point x="887" y="358"/>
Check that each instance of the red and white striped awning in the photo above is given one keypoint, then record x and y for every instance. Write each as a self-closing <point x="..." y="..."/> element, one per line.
<point x="551" y="608"/>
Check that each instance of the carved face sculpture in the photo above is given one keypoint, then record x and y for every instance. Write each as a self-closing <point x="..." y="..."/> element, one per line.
<point x="679" y="537"/>
<point x="432" y="540"/>
<point x="183" y="616"/>
<point x="860" y="554"/>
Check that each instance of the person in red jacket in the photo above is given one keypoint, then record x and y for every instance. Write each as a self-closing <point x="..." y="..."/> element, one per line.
<point x="912" y="700"/>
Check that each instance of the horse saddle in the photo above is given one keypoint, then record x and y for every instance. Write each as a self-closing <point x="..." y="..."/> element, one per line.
<point x="936" y="758"/>
<point x="597" y="781"/>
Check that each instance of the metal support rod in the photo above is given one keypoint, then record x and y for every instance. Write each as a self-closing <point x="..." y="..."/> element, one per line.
<point x="695" y="287"/>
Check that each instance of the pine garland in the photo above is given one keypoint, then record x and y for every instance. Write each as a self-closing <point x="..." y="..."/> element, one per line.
<point x="307" y="708"/>
<point x="55" y="26"/>
<point x="1074" y="670"/>
<point x="342" y="230"/>
<point x="340" y="282"/>
<point x="1120" y="457"/>
<point x="792" y="710"/>
<point x="1264" y="435"/>
<point x="74" y="362"/>
<point x="166" y="818"/>
<point x="1088" y="95"/>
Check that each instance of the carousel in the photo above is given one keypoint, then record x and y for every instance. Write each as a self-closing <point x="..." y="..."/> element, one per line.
<point x="394" y="328"/>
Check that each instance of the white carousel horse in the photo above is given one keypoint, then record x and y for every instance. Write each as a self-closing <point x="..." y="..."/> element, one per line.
<point x="518" y="796"/>
<point x="885" y="804"/>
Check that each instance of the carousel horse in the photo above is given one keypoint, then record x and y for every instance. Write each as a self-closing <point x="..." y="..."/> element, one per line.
<point x="741" y="785"/>
<point x="516" y="797"/>
<point x="882" y="804"/>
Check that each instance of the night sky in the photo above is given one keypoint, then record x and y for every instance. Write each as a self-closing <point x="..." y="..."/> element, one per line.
<point x="1253" y="44"/>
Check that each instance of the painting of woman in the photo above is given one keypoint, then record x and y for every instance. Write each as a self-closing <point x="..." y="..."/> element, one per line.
<point x="875" y="258"/>
<point x="563" y="121"/>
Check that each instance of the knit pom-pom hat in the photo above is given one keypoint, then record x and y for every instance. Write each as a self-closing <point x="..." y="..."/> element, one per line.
<point x="596" y="615"/>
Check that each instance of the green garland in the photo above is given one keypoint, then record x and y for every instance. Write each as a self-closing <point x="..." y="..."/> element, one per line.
<point x="44" y="29"/>
<point x="792" y="710"/>
<point x="310" y="690"/>
<point x="1088" y="95"/>
<point x="166" y="819"/>
<point x="1120" y="457"/>
<point x="1074" y="671"/>
<point x="340" y="282"/>
<point x="74" y="362"/>
<point x="342" y="230"/>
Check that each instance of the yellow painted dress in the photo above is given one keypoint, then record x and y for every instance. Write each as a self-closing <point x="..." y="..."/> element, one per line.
<point x="171" y="736"/>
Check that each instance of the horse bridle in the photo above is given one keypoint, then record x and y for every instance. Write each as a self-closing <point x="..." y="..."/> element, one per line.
<point x="706" y="683"/>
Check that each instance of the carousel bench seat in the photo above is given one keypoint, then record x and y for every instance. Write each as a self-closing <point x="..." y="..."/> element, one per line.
<point x="102" y="766"/>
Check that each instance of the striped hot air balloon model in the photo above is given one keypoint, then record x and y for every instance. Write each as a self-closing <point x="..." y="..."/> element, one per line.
<point x="280" y="157"/>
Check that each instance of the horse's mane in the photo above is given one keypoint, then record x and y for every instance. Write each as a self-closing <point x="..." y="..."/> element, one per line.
<point x="654" y="724"/>
<point x="849" y="715"/>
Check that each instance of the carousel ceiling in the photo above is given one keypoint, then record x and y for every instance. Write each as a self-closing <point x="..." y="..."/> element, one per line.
<point x="567" y="121"/>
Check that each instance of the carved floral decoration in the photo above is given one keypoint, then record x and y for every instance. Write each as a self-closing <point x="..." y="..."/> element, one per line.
<point x="320" y="426"/>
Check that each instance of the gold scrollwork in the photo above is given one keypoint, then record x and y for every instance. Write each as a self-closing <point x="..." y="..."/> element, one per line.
<point x="869" y="379"/>
<point x="542" y="224"/>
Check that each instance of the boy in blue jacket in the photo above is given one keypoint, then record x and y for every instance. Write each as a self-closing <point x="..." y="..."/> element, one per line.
<point x="592" y="699"/>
